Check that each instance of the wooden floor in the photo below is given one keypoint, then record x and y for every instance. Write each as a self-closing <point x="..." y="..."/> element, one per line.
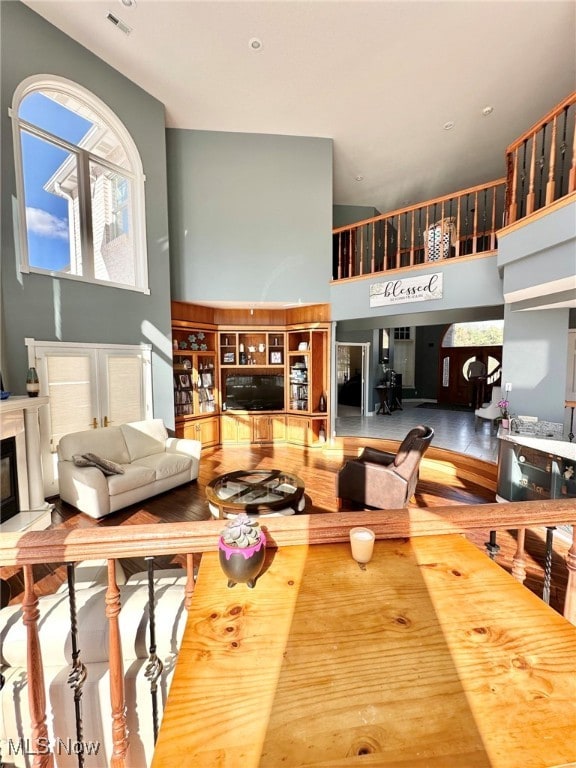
<point x="318" y="471"/>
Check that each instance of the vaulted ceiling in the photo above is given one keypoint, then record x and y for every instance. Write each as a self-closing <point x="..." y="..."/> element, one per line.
<point x="380" y="78"/>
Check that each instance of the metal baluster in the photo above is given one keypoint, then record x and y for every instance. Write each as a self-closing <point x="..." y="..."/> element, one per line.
<point x="154" y="666"/>
<point x="548" y="564"/>
<point x="570" y="404"/>
<point x="523" y="180"/>
<point x="491" y="547"/>
<point x="78" y="672"/>
<point x="541" y="164"/>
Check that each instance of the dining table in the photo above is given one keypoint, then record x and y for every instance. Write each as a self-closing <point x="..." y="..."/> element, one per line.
<point x="429" y="656"/>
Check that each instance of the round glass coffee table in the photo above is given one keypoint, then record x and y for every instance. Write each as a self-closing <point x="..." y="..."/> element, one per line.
<point x="262" y="492"/>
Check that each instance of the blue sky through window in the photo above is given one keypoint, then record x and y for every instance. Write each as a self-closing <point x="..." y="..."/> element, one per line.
<point x="47" y="213"/>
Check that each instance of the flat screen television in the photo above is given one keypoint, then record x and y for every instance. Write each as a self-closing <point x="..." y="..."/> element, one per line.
<point x="256" y="392"/>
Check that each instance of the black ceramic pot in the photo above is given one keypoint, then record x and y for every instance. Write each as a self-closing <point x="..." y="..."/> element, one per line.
<point x="242" y="565"/>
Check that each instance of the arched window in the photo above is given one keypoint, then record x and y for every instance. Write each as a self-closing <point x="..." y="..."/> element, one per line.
<point x="80" y="186"/>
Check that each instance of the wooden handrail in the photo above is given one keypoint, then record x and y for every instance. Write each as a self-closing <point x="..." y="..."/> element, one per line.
<point x="426" y="204"/>
<point x="60" y="545"/>
<point x="554" y="112"/>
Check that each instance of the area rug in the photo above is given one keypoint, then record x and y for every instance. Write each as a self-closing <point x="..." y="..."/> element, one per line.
<point x="446" y="407"/>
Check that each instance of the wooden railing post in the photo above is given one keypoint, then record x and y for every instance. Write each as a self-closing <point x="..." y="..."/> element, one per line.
<point x="117" y="698"/>
<point x="550" y="186"/>
<point x="570" y="602"/>
<point x="43" y="758"/>
<point x="518" y="559"/>
<point x="189" y="589"/>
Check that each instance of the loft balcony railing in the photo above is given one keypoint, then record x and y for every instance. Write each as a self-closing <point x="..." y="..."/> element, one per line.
<point x="541" y="169"/>
<point x="541" y="164"/>
<point x="462" y="224"/>
<point x="184" y="539"/>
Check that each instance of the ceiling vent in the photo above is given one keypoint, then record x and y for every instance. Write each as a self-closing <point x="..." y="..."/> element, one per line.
<point x="119" y="23"/>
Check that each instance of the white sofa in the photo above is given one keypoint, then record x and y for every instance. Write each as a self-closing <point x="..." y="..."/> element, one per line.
<point x="150" y="462"/>
<point x="55" y="643"/>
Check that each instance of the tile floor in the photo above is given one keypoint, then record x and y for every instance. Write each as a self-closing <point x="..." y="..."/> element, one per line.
<point x="452" y="429"/>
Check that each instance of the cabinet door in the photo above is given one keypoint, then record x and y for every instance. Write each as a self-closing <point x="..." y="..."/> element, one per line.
<point x="236" y="428"/>
<point x="206" y="430"/>
<point x="278" y="428"/>
<point x="229" y="429"/>
<point x="261" y="429"/>
<point x="297" y="430"/>
<point x="209" y="431"/>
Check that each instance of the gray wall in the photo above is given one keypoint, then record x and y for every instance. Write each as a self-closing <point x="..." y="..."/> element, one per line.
<point x="534" y="362"/>
<point x="56" y="309"/>
<point x="342" y="215"/>
<point x="539" y="258"/>
<point x="250" y="217"/>
<point x="467" y="284"/>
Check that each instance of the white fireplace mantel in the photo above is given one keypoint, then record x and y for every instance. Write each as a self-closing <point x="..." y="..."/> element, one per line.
<point x="19" y="418"/>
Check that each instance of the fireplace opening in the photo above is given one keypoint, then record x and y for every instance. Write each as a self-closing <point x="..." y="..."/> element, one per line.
<point x="9" y="502"/>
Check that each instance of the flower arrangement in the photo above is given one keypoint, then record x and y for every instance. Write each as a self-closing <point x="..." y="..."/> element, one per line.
<point x="504" y="405"/>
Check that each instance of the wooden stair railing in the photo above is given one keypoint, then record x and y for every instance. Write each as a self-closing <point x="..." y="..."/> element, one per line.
<point x="63" y="546"/>
<point x="464" y="223"/>
<point x="541" y="164"/>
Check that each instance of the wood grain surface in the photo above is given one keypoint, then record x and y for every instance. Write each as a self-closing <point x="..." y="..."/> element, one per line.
<point x="432" y="656"/>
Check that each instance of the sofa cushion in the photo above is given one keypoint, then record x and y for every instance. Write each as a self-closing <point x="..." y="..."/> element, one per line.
<point x="134" y="476"/>
<point x="54" y="625"/>
<point x="107" y="443"/>
<point x="104" y="465"/>
<point x="165" y="464"/>
<point x="144" y="438"/>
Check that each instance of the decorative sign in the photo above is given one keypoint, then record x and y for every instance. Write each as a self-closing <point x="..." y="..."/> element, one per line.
<point x="422" y="288"/>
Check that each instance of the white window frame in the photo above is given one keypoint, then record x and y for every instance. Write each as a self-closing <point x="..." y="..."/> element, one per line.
<point x="135" y="174"/>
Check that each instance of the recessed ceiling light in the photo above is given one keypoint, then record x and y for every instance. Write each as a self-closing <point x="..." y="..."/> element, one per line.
<point x="359" y="178"/>
<point x="487" y="110"/>
<point x="128" y="3"/>
<point x="255" y="44"/>
<point x="449" y="125"/>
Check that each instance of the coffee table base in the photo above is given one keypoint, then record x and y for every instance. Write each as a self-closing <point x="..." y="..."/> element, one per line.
<point x="215" y="511"/>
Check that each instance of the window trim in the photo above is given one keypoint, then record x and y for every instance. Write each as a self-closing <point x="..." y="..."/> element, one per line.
<point x="135" y="173"/>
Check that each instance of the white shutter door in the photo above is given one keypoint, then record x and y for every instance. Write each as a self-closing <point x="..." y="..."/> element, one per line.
<point x="69" y="380"/>
<point x="124" y="379"/>
<point x="73" y="394"/>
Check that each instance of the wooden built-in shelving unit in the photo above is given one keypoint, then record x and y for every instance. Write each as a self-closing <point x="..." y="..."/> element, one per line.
<point x="292" y="343"/>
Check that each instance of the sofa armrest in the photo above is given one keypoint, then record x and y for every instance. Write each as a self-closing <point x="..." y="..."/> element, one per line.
<point x="86" y="488"/>
<point x="192" y="448"/>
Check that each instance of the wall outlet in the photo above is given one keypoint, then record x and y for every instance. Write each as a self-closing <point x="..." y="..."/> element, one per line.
<point x="508" y="387"/>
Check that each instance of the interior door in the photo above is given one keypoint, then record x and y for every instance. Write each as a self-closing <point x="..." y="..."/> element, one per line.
<point x="353" y="375"/>
<point x="124" y="379"/>
<point x="454" y="387"/>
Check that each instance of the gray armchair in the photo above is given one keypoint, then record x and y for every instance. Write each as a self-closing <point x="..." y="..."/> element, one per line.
<point x="381" y="479"/>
